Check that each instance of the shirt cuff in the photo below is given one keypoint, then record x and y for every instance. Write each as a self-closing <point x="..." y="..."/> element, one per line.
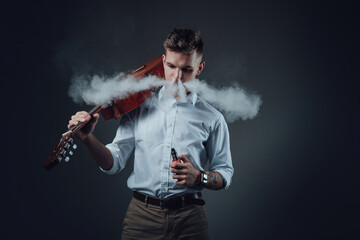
<point x="227" y="178"/>
<point x="116" y="165"/>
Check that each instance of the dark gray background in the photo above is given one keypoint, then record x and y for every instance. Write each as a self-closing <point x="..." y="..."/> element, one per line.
<point x="296" y="164"/>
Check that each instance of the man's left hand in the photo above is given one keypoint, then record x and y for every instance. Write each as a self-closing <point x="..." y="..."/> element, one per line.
<point x="186" y="174"/>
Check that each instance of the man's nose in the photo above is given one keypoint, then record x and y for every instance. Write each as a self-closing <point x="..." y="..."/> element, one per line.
<point x="177" y="74"/>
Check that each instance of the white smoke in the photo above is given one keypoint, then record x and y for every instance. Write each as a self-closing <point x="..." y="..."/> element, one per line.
<point x="176" y="89"/>
<point x="233" y="102"/>
<point x="102" y="90"/>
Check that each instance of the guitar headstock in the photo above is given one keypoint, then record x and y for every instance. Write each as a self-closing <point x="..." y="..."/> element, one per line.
<point x="61" y="151"/>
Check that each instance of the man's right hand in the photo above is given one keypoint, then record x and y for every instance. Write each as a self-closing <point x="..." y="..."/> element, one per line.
<point x="98" y="151"/>
<point x="86" y="130"/>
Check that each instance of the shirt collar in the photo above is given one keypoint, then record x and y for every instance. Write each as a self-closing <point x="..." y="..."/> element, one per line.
<point x="191" y="98"/>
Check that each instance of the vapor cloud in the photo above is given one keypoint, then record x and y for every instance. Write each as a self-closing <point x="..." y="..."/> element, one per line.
<point x="102" y="90"/>
<point x="234" y="102"/>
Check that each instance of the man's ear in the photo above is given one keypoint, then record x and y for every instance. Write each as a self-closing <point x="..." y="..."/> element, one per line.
<point x="163" y="58"/>
<point x="201" y="67"/>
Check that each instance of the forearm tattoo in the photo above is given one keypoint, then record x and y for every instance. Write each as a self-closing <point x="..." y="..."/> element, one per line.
<point x="215" y="181"/>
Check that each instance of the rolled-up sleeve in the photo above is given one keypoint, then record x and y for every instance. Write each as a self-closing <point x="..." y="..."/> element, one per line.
<point x="218" y="150"/>
<point x="122" y="145"/>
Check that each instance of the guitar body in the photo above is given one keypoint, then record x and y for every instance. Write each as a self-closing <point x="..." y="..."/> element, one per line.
<point x="122" y="106"/>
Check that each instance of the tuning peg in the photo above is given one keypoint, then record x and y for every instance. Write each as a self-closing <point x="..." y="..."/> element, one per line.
<point x="71" y="141"/>
<point x="63" y="154"/>
<point x="59" y="158"/>
<point x="71" y="153"/>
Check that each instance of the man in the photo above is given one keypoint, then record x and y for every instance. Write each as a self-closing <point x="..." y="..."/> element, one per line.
<point x="167" y="202"/>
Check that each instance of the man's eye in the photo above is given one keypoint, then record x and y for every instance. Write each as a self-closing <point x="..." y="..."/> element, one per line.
<point x="170" y="66"/>
<point x="187" y="70"/>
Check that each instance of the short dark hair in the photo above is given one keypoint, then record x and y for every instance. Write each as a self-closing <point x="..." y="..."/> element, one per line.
<point x="184" y="41"/>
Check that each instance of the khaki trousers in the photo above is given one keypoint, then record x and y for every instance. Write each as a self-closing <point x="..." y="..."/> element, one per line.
<point x="146" y="221"/>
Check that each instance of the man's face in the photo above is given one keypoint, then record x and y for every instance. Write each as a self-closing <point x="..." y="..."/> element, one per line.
<point x="179" y="64"/>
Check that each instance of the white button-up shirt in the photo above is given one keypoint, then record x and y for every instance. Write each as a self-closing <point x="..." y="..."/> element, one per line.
<point x="194" y="128"/>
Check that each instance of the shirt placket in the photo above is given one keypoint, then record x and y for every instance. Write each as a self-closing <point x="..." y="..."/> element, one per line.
<point x="166" y="159"/>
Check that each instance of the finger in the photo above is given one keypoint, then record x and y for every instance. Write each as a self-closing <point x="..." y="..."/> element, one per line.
<point x="178" y="171"/>
<point x="83" y="114"/>
<point x="85" y="117"/>
<point x="94" y="118"/>
<point x="177" y="165"/>
<point x="78" y="117"/>
<point x="179" y="177"/>
<point x="72" y="123"/>
<point x="184" y="159"/>
<point x="181" y="182"/>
